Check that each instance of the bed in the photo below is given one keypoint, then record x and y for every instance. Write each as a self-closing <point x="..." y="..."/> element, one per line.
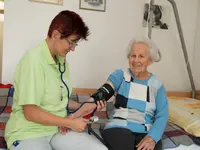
<point x="172" y="138"/>
<point x="178" y="136"/>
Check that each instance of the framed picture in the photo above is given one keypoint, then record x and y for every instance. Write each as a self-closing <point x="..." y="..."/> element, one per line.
<point x="161" y="16"/>
<point x="57" y="2"/>
<point x="96" y="5"/>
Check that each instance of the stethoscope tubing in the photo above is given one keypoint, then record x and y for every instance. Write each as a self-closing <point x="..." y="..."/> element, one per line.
<point x="67" y="88"/>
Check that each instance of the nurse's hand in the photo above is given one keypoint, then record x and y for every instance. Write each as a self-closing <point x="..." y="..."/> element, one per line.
<point x="63" y="130"/>
<point x="78" y="124"/>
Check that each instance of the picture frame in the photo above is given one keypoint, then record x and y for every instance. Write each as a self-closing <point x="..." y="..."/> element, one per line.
<point x="56" y="2"/>
<point x="161" y="16"/>
<point x="94" y="5"/>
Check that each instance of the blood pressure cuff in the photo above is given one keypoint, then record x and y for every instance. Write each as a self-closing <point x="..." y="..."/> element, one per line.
<point x="104" y="93"/>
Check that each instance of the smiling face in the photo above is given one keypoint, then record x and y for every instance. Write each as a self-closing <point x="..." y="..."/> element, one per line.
<point x="139" y="58"/>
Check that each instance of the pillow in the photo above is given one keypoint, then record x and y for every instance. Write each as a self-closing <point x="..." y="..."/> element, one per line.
<point x="185" y="113"/>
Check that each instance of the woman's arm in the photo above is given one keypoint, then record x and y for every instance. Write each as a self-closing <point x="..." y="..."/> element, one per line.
<point x="88" y="107"/>
<point x="114" y="81"/>
<point x="73" y="105"/>
<point x="35" y="114"/>
<point x="161" y="115"/>
<point x="158" y="127"/>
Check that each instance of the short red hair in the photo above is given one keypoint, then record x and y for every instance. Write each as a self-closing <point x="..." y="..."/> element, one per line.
<point x="68" y="23"/>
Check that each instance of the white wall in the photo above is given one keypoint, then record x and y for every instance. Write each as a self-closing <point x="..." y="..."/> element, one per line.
<point x="196" y="60"/>
<point x="172" y="68"/>
<point x="1" y="36"/>
<point x="1" y="46"/>
<point x="95" y="59"/>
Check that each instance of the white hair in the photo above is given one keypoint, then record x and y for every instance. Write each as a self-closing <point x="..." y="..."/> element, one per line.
<point x="154" y="52"/>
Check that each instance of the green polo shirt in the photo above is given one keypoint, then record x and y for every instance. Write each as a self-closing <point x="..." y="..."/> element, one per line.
<point x="37" y="81"/>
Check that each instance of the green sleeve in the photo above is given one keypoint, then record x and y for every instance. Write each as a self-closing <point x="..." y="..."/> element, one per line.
<point x="29" y="81"/>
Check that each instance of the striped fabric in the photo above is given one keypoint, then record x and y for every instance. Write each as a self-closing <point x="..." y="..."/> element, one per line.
<point x="6" y="99"/>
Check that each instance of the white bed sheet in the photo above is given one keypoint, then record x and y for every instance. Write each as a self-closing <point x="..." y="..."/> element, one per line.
<point x="183" y="147"/>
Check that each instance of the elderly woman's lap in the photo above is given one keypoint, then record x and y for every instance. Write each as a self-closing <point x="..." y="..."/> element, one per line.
<point x="121" y="138"/>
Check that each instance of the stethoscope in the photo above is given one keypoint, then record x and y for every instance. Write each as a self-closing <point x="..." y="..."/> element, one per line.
<point x="67" y="88"/>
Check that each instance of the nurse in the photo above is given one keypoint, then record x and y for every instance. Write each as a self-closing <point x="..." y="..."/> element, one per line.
<point x="42" y="94"/>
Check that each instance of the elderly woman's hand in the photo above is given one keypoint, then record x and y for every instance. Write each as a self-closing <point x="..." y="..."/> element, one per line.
<point x="147" y="143"/>
<point x="100" y="104"/>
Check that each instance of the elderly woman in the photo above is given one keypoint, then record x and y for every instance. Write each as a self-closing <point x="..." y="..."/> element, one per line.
<point x="141" y="107"/>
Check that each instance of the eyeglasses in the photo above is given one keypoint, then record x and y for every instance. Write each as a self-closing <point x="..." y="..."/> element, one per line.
<point x="71" y="44"/>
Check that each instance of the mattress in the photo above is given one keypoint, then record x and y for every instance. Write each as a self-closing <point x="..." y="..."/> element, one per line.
<point x="185" y="112"/>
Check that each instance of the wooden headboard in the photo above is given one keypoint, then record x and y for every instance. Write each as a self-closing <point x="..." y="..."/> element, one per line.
<point x="1" y="11"/>
<point x="198" y="95"/>
<point x="83" y="91"/>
